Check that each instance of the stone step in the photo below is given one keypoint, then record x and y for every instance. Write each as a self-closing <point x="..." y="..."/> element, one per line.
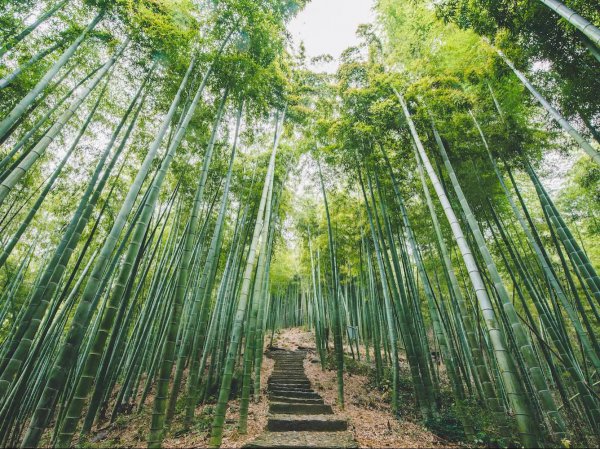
<point x="287" y="387"/>
<point x="289" y="380"/>
<point x="288" y="440"/>
<point x="298" y="416"/>
<point x="295" y="394"/>
<point x="282" y="384"/>
<point x="297" y="375"/>
<point x="286" y="374"/>
<point x="298" y="381"/>
<point x="314" y="423"/>
<point x="290" y="384"/>
<point x="300" y="409"/>
<point x="287" y="384"/>
<point x="294" y="376"/>
<point x="280" y="398"/>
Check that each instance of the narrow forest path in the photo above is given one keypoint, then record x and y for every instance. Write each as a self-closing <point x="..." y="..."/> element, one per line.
<point x="370" y="420"/>
<point x="298" y="416"/>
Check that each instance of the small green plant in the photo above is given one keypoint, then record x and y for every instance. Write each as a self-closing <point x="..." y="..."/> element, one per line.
<point x="354" y="367"/>
<point x="489" y="431"/>
<point x="204" y="420"/>
<point x="121" y="421"/>
<point x="446" y="425"/>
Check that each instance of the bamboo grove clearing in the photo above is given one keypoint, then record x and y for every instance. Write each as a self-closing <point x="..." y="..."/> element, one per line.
<point x="177" y="184"/>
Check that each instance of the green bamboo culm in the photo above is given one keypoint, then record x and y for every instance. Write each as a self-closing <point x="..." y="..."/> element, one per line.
<point x="335" y="306"/>
<point x="205" y="290"/>
<point x="522" y="339"/>
<point x="512" y="383"/>
<point x="167" y="359"/>
<point x="240" y="312"/>
<point x="59" y="372"/>
<point x="28" y="100"/>
<point x="389" y="310"/>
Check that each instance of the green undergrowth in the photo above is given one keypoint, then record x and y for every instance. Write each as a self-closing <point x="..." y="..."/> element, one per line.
<point x="489" y="431"/>
<point x="447" y="425"/>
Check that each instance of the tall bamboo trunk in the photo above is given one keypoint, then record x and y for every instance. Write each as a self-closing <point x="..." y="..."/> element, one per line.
<point x="11" y="42"/>
<point x="40" y="148"/>
<point x="70" y="348"/>
<point x="512" y="383"/>
<point x="337" y="325"/>
<point x="27" y="101"/>
<point x="240" y="312"/>
<point x="582" y="24"/>
<point x="557" y="116"/>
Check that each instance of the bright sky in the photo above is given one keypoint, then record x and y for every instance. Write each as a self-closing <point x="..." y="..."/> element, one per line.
<point x="329" y="27"/>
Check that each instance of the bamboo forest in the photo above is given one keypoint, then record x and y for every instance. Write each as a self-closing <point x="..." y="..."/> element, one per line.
<point x="212" y="236"/>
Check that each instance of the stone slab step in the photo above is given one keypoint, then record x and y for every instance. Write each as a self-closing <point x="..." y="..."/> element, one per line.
<point x="314" y="423"/>
<point x="283" y="384"/>
<point x="280" y="398"/>
<point x="282" y="361"/>
<point x="287" y="440"/>
<point x="281" y="387"/>
<point x="296" y="394"/>
<point x="296" y="376"/>
<point x="300" y="409"/>
<point x="291" y="380"/>
<point x="285" y="391"/>
<point x="286" y="373"/>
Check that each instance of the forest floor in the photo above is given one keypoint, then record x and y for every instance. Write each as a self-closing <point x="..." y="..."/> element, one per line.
<point x="367" y="409"/>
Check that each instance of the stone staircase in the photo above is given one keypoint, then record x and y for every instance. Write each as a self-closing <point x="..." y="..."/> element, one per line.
<point x="298" y="416"/>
